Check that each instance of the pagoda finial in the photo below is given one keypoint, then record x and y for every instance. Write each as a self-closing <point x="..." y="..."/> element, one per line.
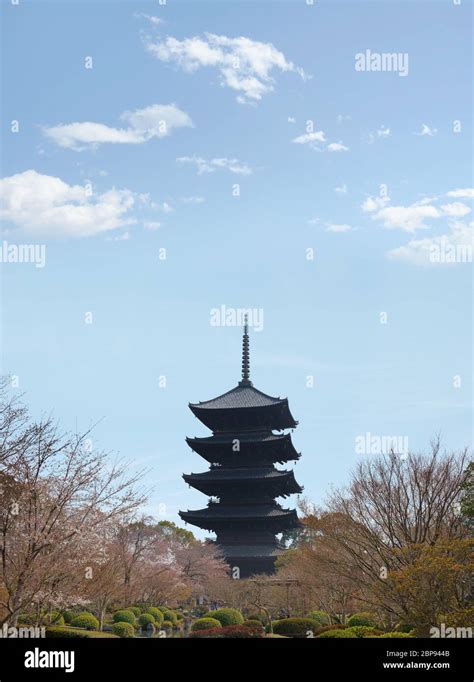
<point x="245" y="356"/>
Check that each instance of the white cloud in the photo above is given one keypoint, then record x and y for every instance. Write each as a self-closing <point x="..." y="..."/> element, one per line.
<point x="374" y="203"/>
<point x="456" y="209"/>
<point x="46" y="205"/>
<point x="381" y="132"/>
<point x="244" y="65"/>
<point x="211" y="165"/>
<point x="413" y="217"/>
<point x="157" y="120"/>
<point x="193" y="200"/>
<point x="337" y="147"/>
<point x="156" y="21"/>
<point x="313" y="221"/>
<point x="332" y="227"/>
<point x="309" y="138"/>
<point x="151" y="225"/>
<point x="454" y="247"/>
<point x="426" y="130"/>
<point x="120" y="238"/>
<point x="291" y="119"/>
<point x="467" y="193"/>
<point x="342" y="189"/>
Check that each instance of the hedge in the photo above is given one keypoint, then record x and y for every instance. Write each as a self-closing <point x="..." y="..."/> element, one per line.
<point x="227" y="616"/>
<point x="156" y="613"/>
<point x="397" y="635"/>
<point x="85" y="620"/>
<point x="168" y="614"/>
<point x="230" y="631"/>
<point x="363" y="618"/>
<point x="330" y="634"/>
<point x="294" y="627"/>
<point x="365" y="631"/>
<point x="124" y="616"/>
<point x="205" y="624"/>
<point x="321" y="617"/>
<point x="250" y="623"/>
<point x="146" y="619"/>
<point x="336" y="626"/>
<point x="123" y="629"/>
<point x="136" y="610"/>
<point x="65" y="632"/>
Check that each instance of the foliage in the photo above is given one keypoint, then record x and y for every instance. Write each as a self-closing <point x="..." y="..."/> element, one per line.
<point x="321" y="617"/>
<point x="331" y="634"/>
<point x="168" y="614"/>
<point x="123" y="629"/>
<point x="156" y="613"/>
<point x="85" y="620"/>
<point x="250" y="623"/>
<point x="364" y="631"/>
<point x="145" y="619"/>
<point x="230" y="631"/>
<point x="227" y="616"/>
<point x="326" y="628"/>
<point x="167" y="625"/>
<point x="63" y="632"/>
<point x="294" y="627"/>
<point x="124" y="616"/>
<point x="395" y="635"/>
<point x="363" y="618"/>
<point x="136" y="610"/>
<point x="205" y="624"/>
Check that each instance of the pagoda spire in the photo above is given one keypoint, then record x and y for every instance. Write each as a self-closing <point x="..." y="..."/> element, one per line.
<point x="245" y="356"/>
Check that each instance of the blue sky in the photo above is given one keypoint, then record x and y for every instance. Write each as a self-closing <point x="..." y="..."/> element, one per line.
<point x="183" y="102"/>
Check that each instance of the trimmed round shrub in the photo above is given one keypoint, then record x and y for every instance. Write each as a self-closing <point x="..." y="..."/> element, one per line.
<point x="227" y="616"/>
<point x="168" y="614"/>
<point x="331" y="634"/>
<point x="68" y="616"/>
<point x="167" y="625"/>
<point x="136" y="610"/>
<point x="85" y="620"/>
<point x="336" y="626"/>
<point x="156" y="613"/>
<point x="398" y="635"/>
<point x="123" y="629"/>
<point x="250" y="623"/>
<point x="205" y="624"/>
<point x="365" y="631"/>
<point x="363" y="618"/>
<point x="294" y="627"/>
<point x="124" y="616"/>
<point x="320" y="617"/>
<point x="145" y="619"/>
<point x="261" y="617"/>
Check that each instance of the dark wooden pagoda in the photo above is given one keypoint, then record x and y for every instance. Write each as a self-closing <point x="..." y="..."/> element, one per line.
<point x="242" y="479"/>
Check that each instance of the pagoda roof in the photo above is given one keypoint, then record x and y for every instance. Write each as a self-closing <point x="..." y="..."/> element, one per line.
<point x="217" y="514"/>
<point x="242" y="396"/>
<point x="210" y="481"/>
<point x="260" y="446"/>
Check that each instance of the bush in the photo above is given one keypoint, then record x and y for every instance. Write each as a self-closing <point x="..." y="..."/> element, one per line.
<point x="166" y="625"/>
<point x="230" y="631"/>
<point x="261" y="617"/>
<point x="200" y="610"/>
<point x="398" y="635"/>
<point x="85" y="620"/>
<point x="124" y="616"/>
<point x="64" y="632"/>
<point x="123" y="629"/>
<point x="320" y="617"/>
<point x="145" y="619"/>
<point x="250" y="623"/>
<point x="227" y="616"/>
<point x="53" y="618"/>
<point x="330" y="634"/>
<point x="336" y="626"/>
<point x="205" y="624"/>
<point x="68" y="616"/>
<point x="404" y="627"/>
<point x="363" y="618"/>
<point x="136" y="610"/>
<point x="168" y="614"/>
<point x="364" y="631"/>
<point x="156" y="613"/>
<point x="294" y="627"/>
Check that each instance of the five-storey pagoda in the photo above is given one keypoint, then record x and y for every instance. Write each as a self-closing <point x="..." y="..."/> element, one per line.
<point x="242" y="479"/>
